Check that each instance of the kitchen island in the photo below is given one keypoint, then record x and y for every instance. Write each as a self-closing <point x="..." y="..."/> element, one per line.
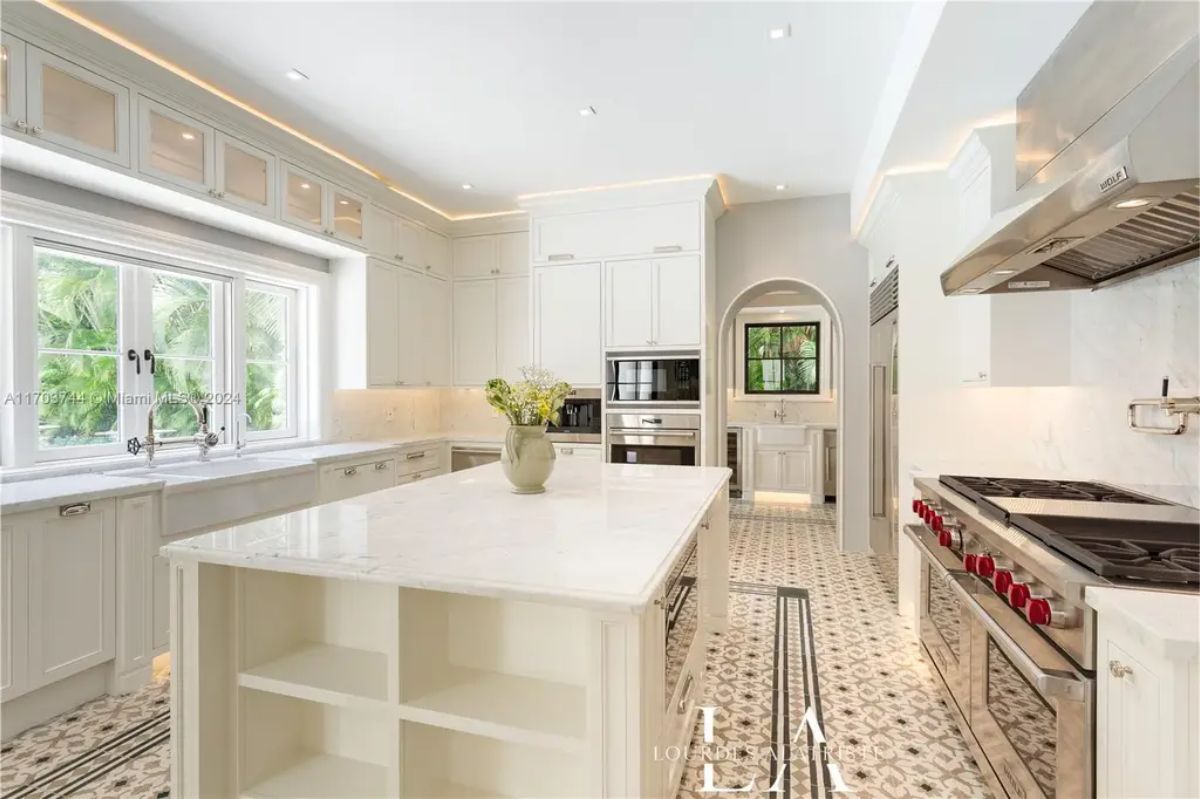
<point x="450" y="638"/>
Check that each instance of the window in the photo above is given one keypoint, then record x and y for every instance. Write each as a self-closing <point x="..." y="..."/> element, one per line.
<point x="783" y="358"/>
<point x="112" y="334"/>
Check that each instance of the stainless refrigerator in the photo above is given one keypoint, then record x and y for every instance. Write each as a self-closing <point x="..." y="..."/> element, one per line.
<point x="884" y="357"/>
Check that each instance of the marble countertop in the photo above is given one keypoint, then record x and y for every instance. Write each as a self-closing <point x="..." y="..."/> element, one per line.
<point x="602" y="536"/>
<point x="1168" y="621"/>
<point x="27" y="495"/>
<point x="324" y="453"/>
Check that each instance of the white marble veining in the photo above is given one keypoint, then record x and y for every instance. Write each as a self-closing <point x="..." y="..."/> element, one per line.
<point x="27" y="495"/>
<point x="324" y="453"/>
<point x="1168" y="622"/>
<point x="602" y="535"/>
<point x="204" y="475"/>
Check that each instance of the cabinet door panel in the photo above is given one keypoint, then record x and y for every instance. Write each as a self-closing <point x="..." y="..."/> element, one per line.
<point x="245" y="175"/>
<point x="162" y="603"/>
<point x="303" y="199"/>
<point x="346" y="215"/>
<point x="174" y="147"/>
<point x="380" y="232"/>
<point x="677" y="302"/>
<point x="437" y="253"/>
<point x="674" y="227"/>
<point x="1133" y="725"/>
<point x="513" y="253"/>
<point x="383" y="332"/>
<point x="475" y="345"/>
<point x="475" y="256"/>
<point x="797" y="470"/>
<point x="512" y="327"/>
<point x="72" y="561"/>
<point x="410" y="361"/>
<point x="137" y="541"/>
<point x="629" y="303"/>
<point x="437" y="332"/>
<point x="76" y="108"/>
<point x="12" y="82"/>
<point x="767" y="471"/>
<point x="568" y="333"/>
<point x="409" y="244"/>
<point x="14" y="610"/>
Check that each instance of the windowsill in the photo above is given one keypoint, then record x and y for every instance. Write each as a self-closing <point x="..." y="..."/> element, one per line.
<point x="108" y="463"/>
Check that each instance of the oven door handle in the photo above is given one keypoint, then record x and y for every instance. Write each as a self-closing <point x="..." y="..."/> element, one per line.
<point x="926" y="553"/>
<point x="651" y="431"/>
<point x="1051" y="683"/>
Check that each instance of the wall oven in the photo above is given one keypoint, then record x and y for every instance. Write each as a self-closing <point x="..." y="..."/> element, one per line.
<point x="672" y="381"/>
<point x="665" y="439"/>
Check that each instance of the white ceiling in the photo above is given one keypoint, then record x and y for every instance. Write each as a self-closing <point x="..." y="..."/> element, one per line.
<point x="437" y="95"/>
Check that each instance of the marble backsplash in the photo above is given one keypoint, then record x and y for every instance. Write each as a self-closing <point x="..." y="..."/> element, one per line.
<point x="384" y="414"/>
<point x="798" y="412"/>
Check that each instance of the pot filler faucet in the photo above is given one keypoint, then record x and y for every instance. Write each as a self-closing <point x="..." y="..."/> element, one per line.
<point x="204" y="438"/>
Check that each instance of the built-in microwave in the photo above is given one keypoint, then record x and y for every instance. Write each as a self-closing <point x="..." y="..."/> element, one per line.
<point x="657" y="380"/>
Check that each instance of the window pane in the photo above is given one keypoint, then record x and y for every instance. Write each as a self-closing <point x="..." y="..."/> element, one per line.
<point x="79" y="400"/>
<point x="266" y="393"/>
<point x="266" y="326"/>
<point x="800" y="375"/>
<point x="192" y="379"/>
<point x="800" y="341"/>
<point x="761" y="342"/>
<point x="77" y="302"/>
<point x="182" y="309"/>
<point x="4" y="78"/>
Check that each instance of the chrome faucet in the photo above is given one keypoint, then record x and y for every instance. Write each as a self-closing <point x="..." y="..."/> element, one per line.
<point x="204" y="438"/>
<point x="242" y="431"/>
<point x="781" y="412"/>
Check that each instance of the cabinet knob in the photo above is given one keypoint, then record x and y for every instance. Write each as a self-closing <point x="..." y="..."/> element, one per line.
<point x="1118" y="669"/>
<point x="350" y="471"/>
<point x="37" y="130"/>
<point x="21" y="124"/>
<point x="399" y="257"/>
<point x="381" y="466"/>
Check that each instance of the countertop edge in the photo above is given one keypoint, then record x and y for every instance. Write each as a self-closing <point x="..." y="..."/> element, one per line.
<point x="1164" y="638"/>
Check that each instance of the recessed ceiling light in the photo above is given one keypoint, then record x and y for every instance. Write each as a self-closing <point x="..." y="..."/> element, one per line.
<point x="468" y="186"/>
<point x="295" y="74"/>
<point x="343" y="202"/>
<point x="780" y="187"/>
<point x="587" y="111"/>
<point x="306" y="185"/>
<point x="188" y="135"/>
<point x="1134" y="202"/>
<point x="782" y="32"/>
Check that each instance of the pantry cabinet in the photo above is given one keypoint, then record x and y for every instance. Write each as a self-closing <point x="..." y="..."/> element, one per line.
<point x="615" y="233"/>
<point x="62" y="103"/>
<point x="321" y="206"/>
<point x="491" y="329"/>
<point x="407" y="327"/>
<point x="783" y="470"/>
<point x="435" y="340"/>
<point x="567" y="324"/>
<point x="653" y="303"/>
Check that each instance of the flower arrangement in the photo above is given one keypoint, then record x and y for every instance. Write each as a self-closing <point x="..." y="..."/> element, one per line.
<point x="535" y="400"/>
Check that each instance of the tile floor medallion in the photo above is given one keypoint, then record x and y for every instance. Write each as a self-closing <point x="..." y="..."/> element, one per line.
<point x="809" y="625"/>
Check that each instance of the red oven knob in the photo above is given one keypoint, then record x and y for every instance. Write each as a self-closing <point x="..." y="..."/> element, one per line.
<point x="917" y="505"/>
<point x="1018" y="595"/>
<point x="971" y="562"/>
<point x="1002" y="580"/>
<point x="985" y="566"/>
<point x="1038" y="611"/>
<point x="944" y="538"/>
<point x="938" y="524"/>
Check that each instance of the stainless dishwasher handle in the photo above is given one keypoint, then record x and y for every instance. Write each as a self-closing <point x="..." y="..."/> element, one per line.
<point x="1050" y="682"/>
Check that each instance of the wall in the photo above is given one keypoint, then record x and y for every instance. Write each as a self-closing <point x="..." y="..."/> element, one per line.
<point x="1122" y="341"/>
<point x="809" y="239"/>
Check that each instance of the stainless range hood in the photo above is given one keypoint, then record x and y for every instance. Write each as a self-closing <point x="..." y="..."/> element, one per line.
<point x="1108" y="143"/>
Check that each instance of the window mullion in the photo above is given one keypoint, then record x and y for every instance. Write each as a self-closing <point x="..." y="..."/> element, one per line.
<point x="135" y="332"/>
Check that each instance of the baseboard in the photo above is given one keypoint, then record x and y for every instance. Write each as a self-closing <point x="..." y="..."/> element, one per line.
<point x="130" y="681"/>
<point x="37" y="707"/>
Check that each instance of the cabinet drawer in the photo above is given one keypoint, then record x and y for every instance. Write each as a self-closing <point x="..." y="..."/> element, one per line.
<point x="674" y="227"/>
<point x="415" y="476"/>
<point x="419" y="460"/>
<point x="591" y="452"/>
<point x="344" y="480"/>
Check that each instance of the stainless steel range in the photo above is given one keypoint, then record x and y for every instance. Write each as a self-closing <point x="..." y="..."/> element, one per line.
<point x="1005" y="562"/>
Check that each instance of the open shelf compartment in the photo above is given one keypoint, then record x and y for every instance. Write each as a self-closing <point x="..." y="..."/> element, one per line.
<point x="330" y="641"/>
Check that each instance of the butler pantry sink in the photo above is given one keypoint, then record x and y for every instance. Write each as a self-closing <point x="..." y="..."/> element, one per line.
<point x="781" y="435"/>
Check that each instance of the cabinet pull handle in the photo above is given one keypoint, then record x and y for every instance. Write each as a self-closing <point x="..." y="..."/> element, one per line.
<point x="568" y="450"/>
<point x="688" y="684"/>
<point x="76" y="509"/>
<point x="37" y="130"/>
<point x="414" y="456"/>
<point x="21" y="124"/>
<point x="560" y="256"/>
<point x="669" y="248"/>
<point x="381" y="466"/>
<point x="1118" y="669"/>
<point x="137" y="359"/>
<point x="350" y="471"/>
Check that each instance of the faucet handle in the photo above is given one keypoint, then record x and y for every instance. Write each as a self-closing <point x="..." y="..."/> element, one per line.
<point x="133" y="446"/>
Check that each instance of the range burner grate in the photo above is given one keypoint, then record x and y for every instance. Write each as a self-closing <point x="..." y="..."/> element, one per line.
<point x="1026" y="488"/>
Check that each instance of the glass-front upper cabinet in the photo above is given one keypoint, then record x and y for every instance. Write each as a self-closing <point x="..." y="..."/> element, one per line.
<point x="245" y="175"/>
<point x="304" y="199"/>
<point x="12" y="82"/>
<point x="347" y="213"/>
<point x="174" y="147"/>
<point x="76" y="108"/>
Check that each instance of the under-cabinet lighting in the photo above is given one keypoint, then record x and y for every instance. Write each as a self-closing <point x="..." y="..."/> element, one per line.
<point x="970" y="291"/>
<point x="1005" y="272"/>
<point x="782" y="32"/>
<point x="1134" y="202"/>
<point x="295" y="74"/>
<point x="587" y="111"/>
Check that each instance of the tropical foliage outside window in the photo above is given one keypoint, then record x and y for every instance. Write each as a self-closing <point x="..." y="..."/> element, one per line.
<point x="182" y="309"/>
<point x="783" y="358"/>
<point x="267" y="376"/>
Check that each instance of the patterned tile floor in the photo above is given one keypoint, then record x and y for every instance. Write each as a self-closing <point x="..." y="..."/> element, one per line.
<point x="887" y="729"/>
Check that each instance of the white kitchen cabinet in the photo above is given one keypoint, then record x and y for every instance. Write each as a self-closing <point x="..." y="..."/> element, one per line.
<point x="351" y="478"/>
<point x="72" y="588"/>
<point x="1147" y="693"/>
<point x="436" y="341"/>
<point x="396" y="239"/>
<point x="567" y="324"/>
<point x="346" y="215"/>
<point x="512" y="253"/>
<point x="783" y="470"/>
<point x="408" y="327"/>
<point x="768" y="471"/>
<point x="436" y="251"/>
<point x="319" y="205"/>
<point x="645" y="230"/>
<point x="14" y="609"/>
<point x="76" y="108"/>
<point x="410" y="310"/>
<point x="587" y="452"/>
<point x="175" y="148"/>
<point x="653" y="303"/>
<point x="493" y="255"/>
<point x="410" y="243"/>
<point x="12" y="83"/>
<point x="245" y="175"/>
<point x="161" y="574"/>
<point x="491" y="329"/>
<point x="383" y="323"/>
<point x="138" y="605"/>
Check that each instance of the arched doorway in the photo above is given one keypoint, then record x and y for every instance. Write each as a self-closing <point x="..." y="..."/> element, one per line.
<point x="725" y="363"/>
